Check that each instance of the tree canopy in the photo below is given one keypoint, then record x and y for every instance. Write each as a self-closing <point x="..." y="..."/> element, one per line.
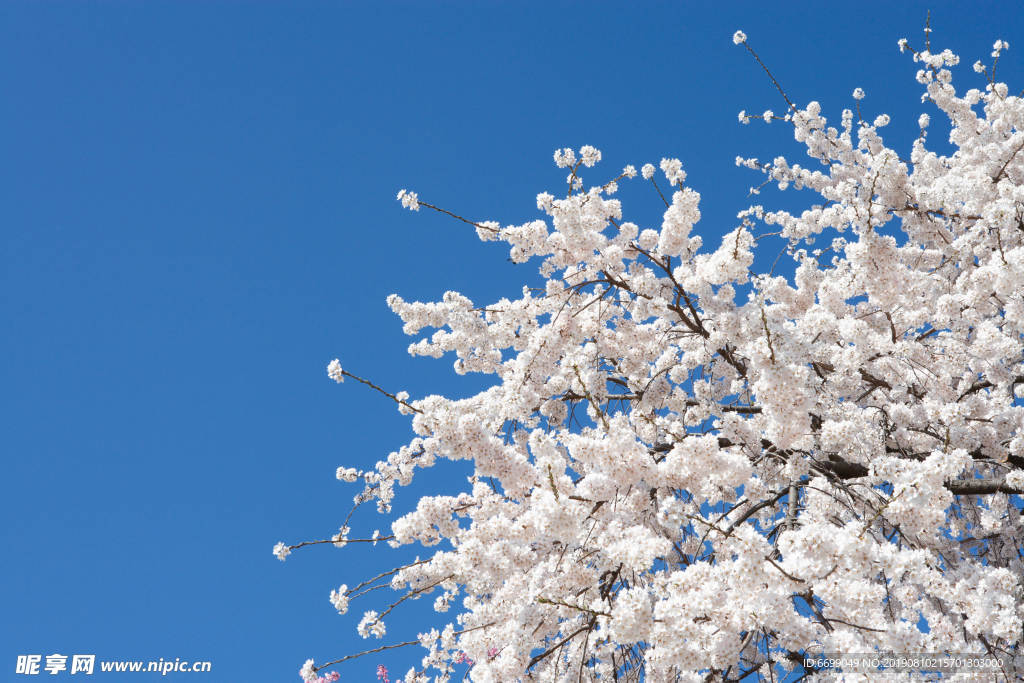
<point x="689" y="471"/>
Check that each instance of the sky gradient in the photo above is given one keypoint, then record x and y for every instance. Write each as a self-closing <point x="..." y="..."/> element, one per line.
<point x="197" y="213"/>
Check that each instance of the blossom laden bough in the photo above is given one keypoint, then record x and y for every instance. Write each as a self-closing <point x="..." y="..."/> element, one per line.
<point x="686" y="469"/>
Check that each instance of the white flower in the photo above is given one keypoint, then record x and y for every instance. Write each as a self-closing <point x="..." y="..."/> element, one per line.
<point x="648" y="239"/>
<point x="629" y="171"/>
<point x="307" y="672"/>
<point x="335" y="372"/>
<point x="647" y="171"/>
<point x="565" y="158"/>
<point x="739" y="37"/>
<point x="673" y="170"/>
<point x="923" y="120"/>
<point x="742" y="116"/>
<point x="403" y="403"/>
<point x="371" y="625"/>
<point x="409" y="200"/>
<point x="348" y="474"/>
<point x="858" y="93"/>
<point x="339" y="599"/>
<point x="281" y="551"/>
<point x="767" y="116"/>
<point x="589" y="155"/>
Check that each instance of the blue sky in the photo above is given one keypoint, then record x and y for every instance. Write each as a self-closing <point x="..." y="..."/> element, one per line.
<point x="197" y="212"/>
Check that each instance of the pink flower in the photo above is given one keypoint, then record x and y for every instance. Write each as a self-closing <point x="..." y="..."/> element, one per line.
<point x="493" y="652"/>
<point x="382" y="673"/>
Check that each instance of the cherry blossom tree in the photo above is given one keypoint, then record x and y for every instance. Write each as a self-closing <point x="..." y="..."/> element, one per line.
<point x="688" y="471"/>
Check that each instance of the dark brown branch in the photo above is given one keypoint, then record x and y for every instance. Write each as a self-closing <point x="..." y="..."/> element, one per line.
<point x="999" y="175"/>
<point x="754" y="508"/>
<point x="843" y="469"/>
<point x="370" y="384"/>
<point x="454" y="215"/>
<point x="559" y="644"/>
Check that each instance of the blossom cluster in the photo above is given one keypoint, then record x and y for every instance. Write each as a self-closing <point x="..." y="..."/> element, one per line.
<point x="682" y="468"/>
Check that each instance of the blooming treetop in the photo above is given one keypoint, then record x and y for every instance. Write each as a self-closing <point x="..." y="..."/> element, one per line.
<point x="686" y="468"/>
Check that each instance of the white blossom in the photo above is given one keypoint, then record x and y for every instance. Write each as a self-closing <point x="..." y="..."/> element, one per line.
<point x="307" y="672"/>
<point x="339" y="599"/>
<point x="282" y="551"/>
<point x="673" y="170"/>
<point x="340" y="539"/>
<point x="589" y="155"/>
<point x="565" y="158"/>
<point x="334" y="371"/>
<point x="347" y="474"/>
<point x="371" y="625"/>
<point x="409" y="200"/>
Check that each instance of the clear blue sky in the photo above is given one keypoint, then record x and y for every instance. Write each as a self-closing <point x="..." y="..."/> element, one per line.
<point x="197" y="212"/>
